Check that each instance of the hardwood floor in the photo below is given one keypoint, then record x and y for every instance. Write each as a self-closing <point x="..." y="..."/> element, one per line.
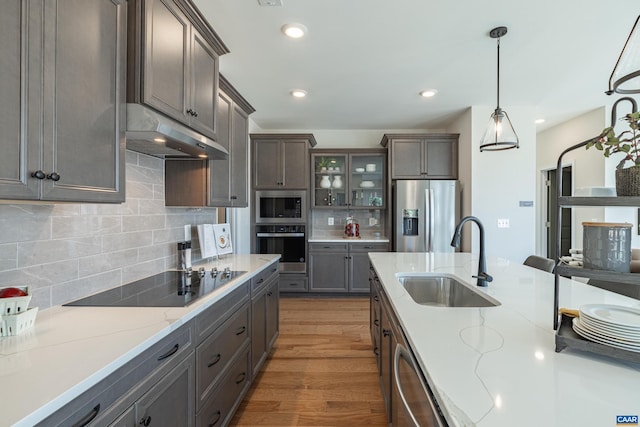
<point x="322" y="371"/>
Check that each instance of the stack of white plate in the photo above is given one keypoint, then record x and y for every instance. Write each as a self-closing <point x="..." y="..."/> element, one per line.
<point x="613" y="325"/>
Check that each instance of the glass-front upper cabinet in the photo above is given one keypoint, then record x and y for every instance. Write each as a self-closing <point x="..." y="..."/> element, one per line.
<point x="349" y="179"/>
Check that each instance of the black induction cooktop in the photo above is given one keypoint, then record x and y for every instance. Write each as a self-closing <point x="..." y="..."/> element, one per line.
<point x="168" y="289"/>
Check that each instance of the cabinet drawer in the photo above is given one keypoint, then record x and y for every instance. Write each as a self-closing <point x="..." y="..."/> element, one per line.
<point x="113" y="395"/>
<point x="214" y="316"/>
<point x="328" y="247"/>
<point x="228" y="395"/>
<point x="293" y="284"/>
<point x="218" y="351"/>
<point x="261" y="279"/>
<point x="369" y="247"/>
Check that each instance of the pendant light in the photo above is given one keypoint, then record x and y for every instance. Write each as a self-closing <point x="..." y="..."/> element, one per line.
<point x="625" y="77"/>
<point x="499" y="134"/>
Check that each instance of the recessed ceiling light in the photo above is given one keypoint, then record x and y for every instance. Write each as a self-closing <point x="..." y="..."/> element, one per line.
<point x="428" y="93"/>
<point x="159" y="140"/>
<point x="298" y="93"/>
<point x="295" y="31"/>
<point x="538" y="121"/>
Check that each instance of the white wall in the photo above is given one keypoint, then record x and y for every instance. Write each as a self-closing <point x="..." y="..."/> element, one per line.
<point x="500" y="181"/>
<point x="587" y="166"/>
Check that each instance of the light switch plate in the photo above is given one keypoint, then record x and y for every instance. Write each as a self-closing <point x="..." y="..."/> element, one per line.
<point x="330" y="221"/>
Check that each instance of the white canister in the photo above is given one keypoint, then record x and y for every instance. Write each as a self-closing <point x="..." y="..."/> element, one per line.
<point x="370" y="167"/>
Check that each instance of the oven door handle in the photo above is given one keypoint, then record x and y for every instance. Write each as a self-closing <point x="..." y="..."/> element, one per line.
<point x="279" y="234"/>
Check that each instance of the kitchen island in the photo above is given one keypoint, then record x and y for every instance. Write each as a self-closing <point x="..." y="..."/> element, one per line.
<point x="71" y="349"/>
<point x="497" y="366"/>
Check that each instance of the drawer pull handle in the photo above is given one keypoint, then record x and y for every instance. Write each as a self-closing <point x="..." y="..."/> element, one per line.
<point x="145" y="421"/>
<point x="89" y="417"/>
<point x="241" y="330"/>
<point x="273" y="270"/>
<point x="241" y="378"/>
<point x="169" y="353"/>
<point x="375" y="298"/>
<point x="218" y="414"/>
<point x="376" y="322"/>
<point x="376" y="352"/>
<point x="216" y="360"/>
<point x="269" y="293"/>
<point x="293" y="284"/>
<point x="261" y="280"/>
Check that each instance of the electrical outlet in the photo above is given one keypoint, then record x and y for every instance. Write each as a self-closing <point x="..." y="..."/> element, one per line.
<point x="503" y="223"/>
<point x="330" y="221"/>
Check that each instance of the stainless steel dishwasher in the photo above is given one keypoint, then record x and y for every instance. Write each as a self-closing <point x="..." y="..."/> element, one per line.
<point x="413" y="402"/>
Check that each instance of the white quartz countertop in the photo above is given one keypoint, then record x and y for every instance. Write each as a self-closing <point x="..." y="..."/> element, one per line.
<point x="497" y="366"/>
<point x="71" y="349"/>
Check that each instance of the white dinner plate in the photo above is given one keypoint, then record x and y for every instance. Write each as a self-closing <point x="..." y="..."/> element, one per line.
<point x="592" y="337"/>
<point x="611" y="334"/>
<point x="608" y="329"/>
<point x="618" y="315"/>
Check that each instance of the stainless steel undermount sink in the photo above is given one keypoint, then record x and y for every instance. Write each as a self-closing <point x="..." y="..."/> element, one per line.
<point x="444" y="291"/>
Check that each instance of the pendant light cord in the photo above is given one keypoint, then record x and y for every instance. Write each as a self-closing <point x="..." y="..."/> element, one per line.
<point x="498" y="84"/>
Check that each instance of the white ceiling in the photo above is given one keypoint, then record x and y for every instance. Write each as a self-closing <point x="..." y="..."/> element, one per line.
<point x="363" y="62"/>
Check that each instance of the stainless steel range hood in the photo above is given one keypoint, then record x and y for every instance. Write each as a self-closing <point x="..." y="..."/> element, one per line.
<point x="152" y="133"/>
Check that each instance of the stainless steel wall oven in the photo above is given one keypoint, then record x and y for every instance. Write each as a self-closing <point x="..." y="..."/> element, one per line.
<point x="288" y="240"/>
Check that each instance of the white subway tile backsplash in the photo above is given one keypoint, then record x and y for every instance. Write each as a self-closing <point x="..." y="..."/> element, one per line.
<point x="67" y="251"/>
<point x="102" y="262"/>
<point x="47" y="251"/>
<point x="69" y="227"/>
<point x="143" y="222"/>
<point x="8" y="256"/>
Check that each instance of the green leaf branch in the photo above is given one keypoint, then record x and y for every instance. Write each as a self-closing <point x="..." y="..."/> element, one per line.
<point x="627" y="142"/>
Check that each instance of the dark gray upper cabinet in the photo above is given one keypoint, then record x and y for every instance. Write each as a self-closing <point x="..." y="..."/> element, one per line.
<point x="422" y="156"/>
<point x="280" y="161"/>
<point x="174" y="60"/>
<point x="63" y="116"/>
<point x="218" y="183"/>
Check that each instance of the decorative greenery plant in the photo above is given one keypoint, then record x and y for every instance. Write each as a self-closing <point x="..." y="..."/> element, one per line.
<point x="322" y="162"/>
<point x="627" y="142"/>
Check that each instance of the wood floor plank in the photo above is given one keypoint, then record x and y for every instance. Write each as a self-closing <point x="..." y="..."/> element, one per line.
<point x="322" y="371"/>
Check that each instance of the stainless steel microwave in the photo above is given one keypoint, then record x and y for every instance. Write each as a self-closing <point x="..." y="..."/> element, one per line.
<point x="281" y="207"/>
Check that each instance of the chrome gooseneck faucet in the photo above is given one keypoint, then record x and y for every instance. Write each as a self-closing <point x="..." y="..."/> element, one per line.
<point x="483" y="277"/>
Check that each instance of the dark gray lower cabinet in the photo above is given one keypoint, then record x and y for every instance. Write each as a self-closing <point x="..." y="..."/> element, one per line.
<point x="341" y="267"/>
<point x="265" y="312"/>
<point x="293" y="283"/>
<point x="328" y="267"/>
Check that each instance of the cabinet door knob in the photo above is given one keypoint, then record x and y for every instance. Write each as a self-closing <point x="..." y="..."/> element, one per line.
<point x="190" y="112"/>
<point x="53" y="176"/>
<point x="38" y="174"/>
<point x="145" y="421"/>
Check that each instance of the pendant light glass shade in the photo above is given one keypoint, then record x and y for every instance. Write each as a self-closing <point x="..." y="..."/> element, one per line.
<point x="500" y="134"/>
<point x="625" y="77"/>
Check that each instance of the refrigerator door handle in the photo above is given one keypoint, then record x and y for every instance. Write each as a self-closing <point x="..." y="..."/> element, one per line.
<point x="432" y="219"/>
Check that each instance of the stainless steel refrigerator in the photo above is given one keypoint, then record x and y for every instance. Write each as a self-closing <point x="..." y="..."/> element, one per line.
<point x="425" y="214"/>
